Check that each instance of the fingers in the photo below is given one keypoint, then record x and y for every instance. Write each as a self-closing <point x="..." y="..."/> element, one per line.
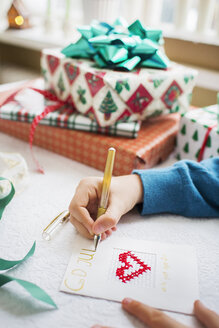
<point x="82" y="215"/>
<point x="80" y="228"/>
<point x="83" y="209"/>
<point x="108" y="220"/>
<point x="108" y="232"/>
<point x="209" y="318"/>
<point x="84" y="232"/>
<point x="85" y="195"/>
<point x="150" y="316"/>
<point x="103" y="236"/>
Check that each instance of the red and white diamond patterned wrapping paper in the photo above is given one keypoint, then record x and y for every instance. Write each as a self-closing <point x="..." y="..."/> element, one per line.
<point x="109" y="96"/>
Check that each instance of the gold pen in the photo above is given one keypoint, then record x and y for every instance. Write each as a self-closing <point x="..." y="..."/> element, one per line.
<point x="64" y="217"/>
<point x="105" y="189"/>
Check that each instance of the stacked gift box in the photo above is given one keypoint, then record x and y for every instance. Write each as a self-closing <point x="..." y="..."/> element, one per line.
<point x="25" y="103"/>
<point x="119" y="77"/>
<point x="154" y="143"/>
<point x="198" y="136"/>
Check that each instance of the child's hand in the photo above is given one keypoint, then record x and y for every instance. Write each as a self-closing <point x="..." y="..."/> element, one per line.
<point x="125" y="193"/>
<point x="154" y="318"/>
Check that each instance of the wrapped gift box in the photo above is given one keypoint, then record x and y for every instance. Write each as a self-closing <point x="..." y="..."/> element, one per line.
<point x="198" y="127"/>
<point x="24" y="104"/>
<point x="156" y="140"/>
<point x="114" y="95"/>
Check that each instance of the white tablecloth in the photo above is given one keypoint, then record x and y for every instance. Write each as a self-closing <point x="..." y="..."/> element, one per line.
<point x="31" y="210"/>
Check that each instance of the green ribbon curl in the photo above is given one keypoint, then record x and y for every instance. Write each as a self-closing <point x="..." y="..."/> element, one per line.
<point x="118" y="46"/>
<point x="5" y="200"/>
<point x="34" y="290"/>
<point x="6" y="264"/>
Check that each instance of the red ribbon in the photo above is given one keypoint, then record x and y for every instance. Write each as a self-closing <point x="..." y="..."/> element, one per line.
<point x="201" y="152"/>
<point x="50" y="108"/>
<point x="34" y="123"/>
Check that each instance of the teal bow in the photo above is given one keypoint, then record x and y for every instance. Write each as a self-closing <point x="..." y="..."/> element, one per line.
<point x="118" y="46"/>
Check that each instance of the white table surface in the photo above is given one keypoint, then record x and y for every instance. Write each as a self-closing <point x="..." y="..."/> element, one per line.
<point x="31" y="210"/>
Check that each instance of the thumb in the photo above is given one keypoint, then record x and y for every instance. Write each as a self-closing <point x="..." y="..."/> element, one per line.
<point x="209" y="318"/>
<point x="153" y="318"/>
<point x="106" y="221"/>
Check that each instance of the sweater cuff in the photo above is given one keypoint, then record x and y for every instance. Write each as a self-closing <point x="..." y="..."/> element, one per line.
<point x="162" y="190"/>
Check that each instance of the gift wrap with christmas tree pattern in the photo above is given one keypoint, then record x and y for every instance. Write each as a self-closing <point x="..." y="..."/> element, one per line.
<point x="192" y="133"/>
<point x="24" y="104"/>
<point x="109" y="96"/>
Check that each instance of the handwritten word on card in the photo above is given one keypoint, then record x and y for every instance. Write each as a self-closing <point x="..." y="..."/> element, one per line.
<point x="161" y="275"/>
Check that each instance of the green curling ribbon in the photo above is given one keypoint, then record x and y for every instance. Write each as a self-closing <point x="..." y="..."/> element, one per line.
<point x="118" y="46"/>
<point x="5" y="200"/>
<point x="6" y="264"/>
<point x="34" y="290"/>
<point x="31" y="288"/>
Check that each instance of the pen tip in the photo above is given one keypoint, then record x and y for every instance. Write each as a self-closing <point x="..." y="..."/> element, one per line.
<point x="97" y="239"/>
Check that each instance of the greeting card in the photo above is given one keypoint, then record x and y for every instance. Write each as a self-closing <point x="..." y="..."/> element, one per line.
<point x="161" y="275"/>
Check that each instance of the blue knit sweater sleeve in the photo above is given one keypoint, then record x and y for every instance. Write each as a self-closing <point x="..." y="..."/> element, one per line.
<point x="186" y="188"/>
